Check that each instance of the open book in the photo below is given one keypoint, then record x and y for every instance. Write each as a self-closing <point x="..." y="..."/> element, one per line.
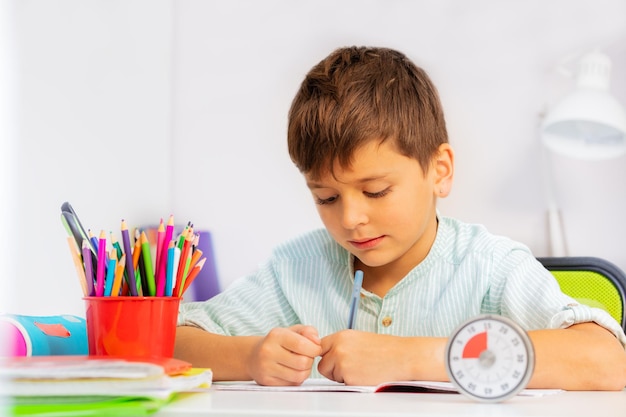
<point x="321" y="384"/>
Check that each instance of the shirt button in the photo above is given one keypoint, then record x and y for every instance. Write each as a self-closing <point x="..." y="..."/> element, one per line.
<point x="387" y="321"/>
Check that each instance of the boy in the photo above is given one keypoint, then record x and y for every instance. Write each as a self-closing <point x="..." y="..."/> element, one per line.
<point x="367" y="131"/>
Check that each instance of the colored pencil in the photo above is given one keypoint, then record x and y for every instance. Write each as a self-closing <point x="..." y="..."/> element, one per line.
<point x="169" y="274"/>
<point x="93" y="240"/>
<point x="147" y="261"/>
<point x="101" y="267"/>
<point x="110" y="277"/>
<point x="80" y="271"/>
<point x="117" y="278"/>
<point x="87" y="261"/>
<point x="130" y="256"/>
<point x="162" y="268"/>
<point x="137" y="265"/>
<point x="195" y="257"/>
<point x="116" y="246"/>
<point x="192" y="275"/>
<point x="184" y="254"/>
<point x="160" y="238"/>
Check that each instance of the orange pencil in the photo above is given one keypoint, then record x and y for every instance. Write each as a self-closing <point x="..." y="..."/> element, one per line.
<point x="119" y="273"/>
<point x="195" y="257"/>
<point x="192" y="275"/>
<point x="184" y="258"/>
<point x="136" y="254"/>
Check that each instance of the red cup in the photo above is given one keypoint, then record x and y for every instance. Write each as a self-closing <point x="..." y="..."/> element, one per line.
<point x="143" y="327"/>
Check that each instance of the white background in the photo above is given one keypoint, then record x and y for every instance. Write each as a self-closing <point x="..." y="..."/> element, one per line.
<point x="141" y="109"/>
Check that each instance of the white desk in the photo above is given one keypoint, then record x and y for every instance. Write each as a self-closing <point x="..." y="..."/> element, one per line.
<point x="350" y="404"/>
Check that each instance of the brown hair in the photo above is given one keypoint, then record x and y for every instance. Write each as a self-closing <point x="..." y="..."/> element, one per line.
<point x="357" y="94"/>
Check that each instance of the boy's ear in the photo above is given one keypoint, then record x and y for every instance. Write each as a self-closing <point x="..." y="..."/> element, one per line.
<point x="444" y="170"/>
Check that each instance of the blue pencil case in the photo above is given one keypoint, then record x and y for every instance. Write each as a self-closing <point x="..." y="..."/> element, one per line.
<point x="22" y="335"/>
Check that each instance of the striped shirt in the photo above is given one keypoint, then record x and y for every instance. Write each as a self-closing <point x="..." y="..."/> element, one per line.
<point x="467" y="272"/>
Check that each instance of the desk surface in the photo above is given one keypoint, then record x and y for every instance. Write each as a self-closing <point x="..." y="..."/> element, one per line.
<point x="350" y="404"/>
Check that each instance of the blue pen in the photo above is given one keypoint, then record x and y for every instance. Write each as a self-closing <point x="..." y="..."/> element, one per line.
<point x="356" y="295"/>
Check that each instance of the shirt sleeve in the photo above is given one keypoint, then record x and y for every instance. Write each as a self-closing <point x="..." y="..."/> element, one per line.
<point x="252" y="305"/>
<point x="533" y="298"/>
<point x="575" y="313"/>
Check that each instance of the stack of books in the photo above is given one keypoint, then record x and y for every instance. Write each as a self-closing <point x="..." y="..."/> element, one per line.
<point x="88" y="385"/>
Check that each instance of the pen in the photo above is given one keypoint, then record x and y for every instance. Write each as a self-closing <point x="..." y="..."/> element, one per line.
<point x="354" y="301"/>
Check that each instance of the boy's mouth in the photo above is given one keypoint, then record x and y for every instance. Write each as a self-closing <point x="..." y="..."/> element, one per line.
<point x="366" y="243"/>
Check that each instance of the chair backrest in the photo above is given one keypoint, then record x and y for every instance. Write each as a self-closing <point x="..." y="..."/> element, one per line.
<point x="592" y="281"/>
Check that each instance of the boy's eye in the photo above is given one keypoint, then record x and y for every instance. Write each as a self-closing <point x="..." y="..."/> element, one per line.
<point x="377" y="194"/>
<point x="322" y="201"/>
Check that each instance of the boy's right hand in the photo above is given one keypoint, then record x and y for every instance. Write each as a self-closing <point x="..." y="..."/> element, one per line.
<point x="285" y="356"/>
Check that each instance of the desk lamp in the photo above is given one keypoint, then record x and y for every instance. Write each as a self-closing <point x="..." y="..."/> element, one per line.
<point x="588" y="123"/>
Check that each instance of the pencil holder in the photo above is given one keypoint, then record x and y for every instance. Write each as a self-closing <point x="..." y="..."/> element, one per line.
<point x="141" y="327"/>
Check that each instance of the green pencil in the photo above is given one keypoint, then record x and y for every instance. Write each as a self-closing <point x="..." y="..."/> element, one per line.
<point x="147" y="260"/>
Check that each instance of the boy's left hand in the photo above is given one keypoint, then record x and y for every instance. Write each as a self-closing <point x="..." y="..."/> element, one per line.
<point x="362" y="358"/>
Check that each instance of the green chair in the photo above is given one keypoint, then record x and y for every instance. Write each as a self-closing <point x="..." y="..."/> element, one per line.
<point x="592" y="281"/>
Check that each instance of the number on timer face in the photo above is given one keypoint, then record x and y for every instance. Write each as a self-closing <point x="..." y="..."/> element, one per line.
<point x="489" y="358"/>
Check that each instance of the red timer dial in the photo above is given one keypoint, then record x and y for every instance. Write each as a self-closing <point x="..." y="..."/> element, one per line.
<point x="489" y="358"/>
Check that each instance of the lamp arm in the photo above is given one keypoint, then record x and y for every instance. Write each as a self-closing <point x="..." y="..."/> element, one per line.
<point x="556" y="235"/>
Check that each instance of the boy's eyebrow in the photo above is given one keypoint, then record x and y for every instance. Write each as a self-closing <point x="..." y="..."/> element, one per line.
<point x="313" y="185"/>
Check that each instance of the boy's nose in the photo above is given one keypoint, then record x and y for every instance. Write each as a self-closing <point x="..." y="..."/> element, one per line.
<point x="354" y="213"/>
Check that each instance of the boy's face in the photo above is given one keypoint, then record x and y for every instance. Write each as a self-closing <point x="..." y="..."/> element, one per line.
<point x="382" y="207"/>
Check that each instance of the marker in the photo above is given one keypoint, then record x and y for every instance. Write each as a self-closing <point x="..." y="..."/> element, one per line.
<point x="354" y="301"/>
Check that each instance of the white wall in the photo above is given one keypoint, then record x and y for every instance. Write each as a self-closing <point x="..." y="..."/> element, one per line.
<point x="212" y="81"/>
<point x="93" y="128"/>
<point x="8" y="96"/>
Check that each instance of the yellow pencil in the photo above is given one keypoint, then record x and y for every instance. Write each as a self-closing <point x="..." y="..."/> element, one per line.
<point x="78" y="265"/>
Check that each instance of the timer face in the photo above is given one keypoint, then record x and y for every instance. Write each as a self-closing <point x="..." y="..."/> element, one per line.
<point x="489" y="358"/>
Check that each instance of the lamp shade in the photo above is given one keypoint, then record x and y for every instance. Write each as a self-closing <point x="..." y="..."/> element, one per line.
<point x="589" y="123"/>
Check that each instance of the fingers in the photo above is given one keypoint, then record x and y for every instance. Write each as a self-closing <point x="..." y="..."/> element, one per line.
<point x="309" y="332"/>
<point x="285" y="356"/>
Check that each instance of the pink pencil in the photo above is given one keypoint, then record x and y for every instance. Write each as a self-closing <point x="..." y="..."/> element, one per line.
<point x="101" y="267"/>
<point x="162" y="267"/>
<point x="159" y="249"/>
